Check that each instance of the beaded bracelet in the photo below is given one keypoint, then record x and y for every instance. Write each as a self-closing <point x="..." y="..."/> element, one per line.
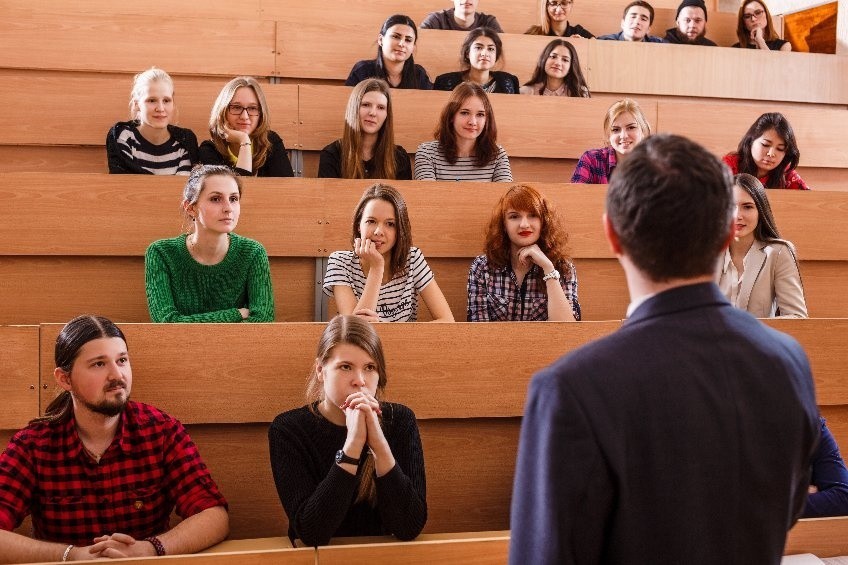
<point x="157" y="545"/>
<point x="67" y="552"/>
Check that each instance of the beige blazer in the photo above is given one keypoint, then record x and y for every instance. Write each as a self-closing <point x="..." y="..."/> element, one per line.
<point x="771" y="284"/>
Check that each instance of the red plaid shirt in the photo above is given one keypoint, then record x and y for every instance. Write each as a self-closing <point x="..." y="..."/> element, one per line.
<point x="791" y="177"/>
<point x="151" y="467"/>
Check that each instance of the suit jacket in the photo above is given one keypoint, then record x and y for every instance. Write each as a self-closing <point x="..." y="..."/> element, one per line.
<point x="684" y="437"/>
<point x="771" y="283"/>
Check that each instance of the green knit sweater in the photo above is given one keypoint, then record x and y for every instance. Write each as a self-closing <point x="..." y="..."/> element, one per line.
<point x="179" y="289"/>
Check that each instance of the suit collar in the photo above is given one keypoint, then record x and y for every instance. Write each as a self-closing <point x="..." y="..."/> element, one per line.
<point x="754" y="261"/>
<point x="678" y="299"/>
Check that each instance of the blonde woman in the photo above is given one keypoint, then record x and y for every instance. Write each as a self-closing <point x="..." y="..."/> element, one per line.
<point x="149" y="143"/>
<point x="553" y="20"/>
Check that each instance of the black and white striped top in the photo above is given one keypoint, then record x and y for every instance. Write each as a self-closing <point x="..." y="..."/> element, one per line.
<point x="431" y="164"/>
<point x="129" y="152"/>
<point x="398" y="298"/>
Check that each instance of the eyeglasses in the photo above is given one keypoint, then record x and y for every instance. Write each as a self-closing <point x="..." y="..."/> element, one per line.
<point x="561" y="5"/>
<point x="237" y="109"/>
<point x="750" y="16"/>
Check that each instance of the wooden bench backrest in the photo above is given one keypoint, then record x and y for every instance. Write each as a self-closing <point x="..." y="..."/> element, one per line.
<point x="309" y="117"/>
<point x="81" y="234"/>
<point x="228" y="393"/>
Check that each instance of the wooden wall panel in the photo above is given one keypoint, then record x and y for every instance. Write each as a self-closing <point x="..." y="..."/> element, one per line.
<point x="18" y="377"/>
<point x="88" y="42"/>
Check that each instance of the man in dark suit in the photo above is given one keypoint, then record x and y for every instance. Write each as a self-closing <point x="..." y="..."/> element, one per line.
<point x="686" y="435"/>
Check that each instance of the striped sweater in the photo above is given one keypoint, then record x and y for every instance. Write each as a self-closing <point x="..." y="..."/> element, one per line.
<point x="431" y="164"/>
<point x="398" y="298"/>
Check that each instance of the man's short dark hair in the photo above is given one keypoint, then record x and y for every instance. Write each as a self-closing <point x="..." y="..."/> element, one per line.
<point x="670" y="202"/>
<point x="643" y="4"/>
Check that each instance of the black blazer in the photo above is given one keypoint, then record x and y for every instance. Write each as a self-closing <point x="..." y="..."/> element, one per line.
<point x="684" y="437"/>
<point x="505" y="83"/>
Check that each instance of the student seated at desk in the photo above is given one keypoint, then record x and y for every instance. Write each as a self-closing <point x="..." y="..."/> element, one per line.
<point x="755" y="29"/>
<point x="382" y="277"/>
<point x="149" y="143"/>
<point x="759" y="272"/>
<point x="525" y="273"/>
<point x="635" y="24"/>
<point x="347" y="463"/>
<point x="466" y="146"/>
<point x="553" y="20"/>
<point x="462" y="17"/>
<point x="241" y="132"/>
<point x="557" y="73"/>
<point x="624" y="127"/>
<point x="99" y="473"/>
<point x="367" y="148"/>
<point x="828" y="495"/>
<point x="690" y="25"/>
<point x="769" y="152"/>
<point x="394" y="62"/>
<point x="209" y="274"/>
<point x="480" y="52"/>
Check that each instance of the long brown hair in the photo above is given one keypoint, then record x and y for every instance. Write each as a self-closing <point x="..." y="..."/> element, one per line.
<point x="218" y="118"/>
<point x="384" y="149"/>
<point x="355" y="331"/>
<point x="70" y="340"/>
<point x="486" y="144"/>
<point x="553" y="238"/>
<point x="742" y="33"/>
<point x="575" y="84"/>
<point x="403" y="237"/>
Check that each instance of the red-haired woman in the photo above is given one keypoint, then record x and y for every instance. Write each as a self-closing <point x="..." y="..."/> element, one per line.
<point x="525" y="273"/>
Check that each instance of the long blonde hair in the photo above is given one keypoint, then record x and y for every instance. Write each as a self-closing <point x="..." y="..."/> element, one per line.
<point x="384" y="149"/>
<point x="354" y="331"/>
<point x="218" y="119"/>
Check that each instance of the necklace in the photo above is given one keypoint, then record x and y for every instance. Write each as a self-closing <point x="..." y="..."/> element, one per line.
<point x="93" y="455"/>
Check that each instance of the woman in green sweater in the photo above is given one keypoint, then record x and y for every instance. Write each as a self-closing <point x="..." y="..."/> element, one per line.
<point x="209" y="274"/>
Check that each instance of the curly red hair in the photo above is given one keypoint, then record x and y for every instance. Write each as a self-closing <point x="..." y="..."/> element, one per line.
<point x="553" y="240"/>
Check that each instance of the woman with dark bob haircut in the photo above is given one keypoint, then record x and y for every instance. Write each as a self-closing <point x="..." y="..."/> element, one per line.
<point x="394" y="62"/>
<point x="769" y="152"/>
<point x="349" y="463"/>
<point x="525" y="273"/>
<point x="466" y="145"/>
<point x="760" y="270"/>
<point x="558" y="72"/>
<point x="481" y="51"/>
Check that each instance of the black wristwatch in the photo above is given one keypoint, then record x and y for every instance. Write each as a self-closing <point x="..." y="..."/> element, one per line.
<point x="341" y="457"/>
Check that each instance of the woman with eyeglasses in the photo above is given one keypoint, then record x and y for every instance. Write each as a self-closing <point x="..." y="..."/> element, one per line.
<point x="553" y="20"/>
<point x="242" y="138"/>
<point x="755" y="29"/>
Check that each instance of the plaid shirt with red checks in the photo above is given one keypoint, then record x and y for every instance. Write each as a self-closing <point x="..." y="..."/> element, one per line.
<point x="151" y="467"/>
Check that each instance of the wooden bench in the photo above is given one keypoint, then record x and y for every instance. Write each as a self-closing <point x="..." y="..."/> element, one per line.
<point x="228" y="400"/>
<point x="74" y="231"/>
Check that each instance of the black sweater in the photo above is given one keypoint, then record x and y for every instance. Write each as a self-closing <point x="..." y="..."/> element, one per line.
<point x="318" y="495"/>
<point x="276" y="164"/>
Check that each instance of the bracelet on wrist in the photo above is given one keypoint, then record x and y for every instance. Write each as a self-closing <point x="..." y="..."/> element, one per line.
<point x="67" y="552"/>
<point x="157" y="545"/>
<point x="246" y="143"/>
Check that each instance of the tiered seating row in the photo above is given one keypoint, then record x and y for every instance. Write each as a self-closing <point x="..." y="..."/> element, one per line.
<point x="227" y="395"/>
<point x="310" y="117"/>
<point x="301" y="48"/>
<point x="78" y="241"/>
